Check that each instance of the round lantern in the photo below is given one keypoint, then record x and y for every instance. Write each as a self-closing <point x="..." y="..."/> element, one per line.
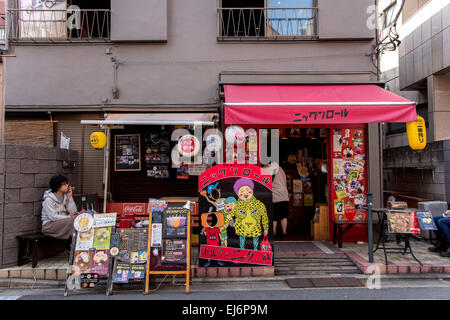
<point x="98" y="140"/>
<point x="417" y="135"/>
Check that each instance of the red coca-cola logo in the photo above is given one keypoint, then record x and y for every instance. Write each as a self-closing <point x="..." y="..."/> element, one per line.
<point x="134" y="208"/>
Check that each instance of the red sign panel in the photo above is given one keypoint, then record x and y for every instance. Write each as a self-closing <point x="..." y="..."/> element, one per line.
<point x="236" y="255"/>
<point x="236" y="170"/>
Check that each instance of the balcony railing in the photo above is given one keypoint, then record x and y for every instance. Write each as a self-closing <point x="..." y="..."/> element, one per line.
<point x="267" y="23"/>
<point x="71" y="25"/>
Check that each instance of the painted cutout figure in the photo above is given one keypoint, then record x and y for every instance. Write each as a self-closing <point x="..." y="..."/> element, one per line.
<point x="249" y="214"/>
<point x="213" y="239"/>
<point x="216" y="200"/>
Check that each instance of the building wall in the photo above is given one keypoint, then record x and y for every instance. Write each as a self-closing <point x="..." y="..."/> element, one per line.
<point x="24" y="175"/>
<point x="184" y="70"/>
<point x="416" y="70"/>
<point x="82" y="76"/>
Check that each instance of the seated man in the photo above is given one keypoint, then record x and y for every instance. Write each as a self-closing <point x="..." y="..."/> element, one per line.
<point x="58" y="209"/>
<point x="442" y="234"/>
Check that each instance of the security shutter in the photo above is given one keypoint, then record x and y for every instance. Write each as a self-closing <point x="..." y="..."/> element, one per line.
<point x="91" y="160"/>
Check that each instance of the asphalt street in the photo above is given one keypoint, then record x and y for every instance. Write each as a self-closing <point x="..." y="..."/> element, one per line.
<point x="395" y="289"/>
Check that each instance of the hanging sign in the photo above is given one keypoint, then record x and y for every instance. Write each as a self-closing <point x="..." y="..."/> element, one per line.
<point x="417" y="135"/>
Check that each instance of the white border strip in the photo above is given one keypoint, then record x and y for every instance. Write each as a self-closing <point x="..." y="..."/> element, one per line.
<point x="148" y="122"/>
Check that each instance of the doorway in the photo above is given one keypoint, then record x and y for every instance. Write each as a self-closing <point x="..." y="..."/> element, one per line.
<point x="303" y="157"/>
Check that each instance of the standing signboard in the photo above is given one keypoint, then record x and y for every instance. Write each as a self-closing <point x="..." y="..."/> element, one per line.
<point x="129" y="252"/>
<point x="235" y="206"/>
<point x="169" y="239"/>
<point x="90" y="251"/>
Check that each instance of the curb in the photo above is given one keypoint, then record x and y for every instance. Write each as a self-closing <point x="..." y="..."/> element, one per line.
<point x="368" y="268"/>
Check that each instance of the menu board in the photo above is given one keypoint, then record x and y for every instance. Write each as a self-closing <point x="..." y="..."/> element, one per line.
<point x="425" y="220"/>
<point x="170" y="243"/>
<point x="127" y="152"/>
<point x="130" y="262"/>
<point x="169" y="250"/>
<point x="91" y="252"/>
<point x="174" y="251"/>
<point x="157" y="152"/>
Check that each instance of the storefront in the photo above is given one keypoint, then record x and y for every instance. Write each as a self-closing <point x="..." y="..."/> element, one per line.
<point x="138" y="155"/>
<point x="324" y="149"/>
<point x="317" y="133"/>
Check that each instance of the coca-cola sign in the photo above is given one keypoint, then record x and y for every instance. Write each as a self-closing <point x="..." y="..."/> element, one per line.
<point x="134" y="208"/>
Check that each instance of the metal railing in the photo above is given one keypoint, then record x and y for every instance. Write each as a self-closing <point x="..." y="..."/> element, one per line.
<point x="70" y="25"/>
<point x="267" y="23"/>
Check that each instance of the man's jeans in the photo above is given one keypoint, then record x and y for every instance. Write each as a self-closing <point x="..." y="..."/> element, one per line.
<point x="443" y="231"/>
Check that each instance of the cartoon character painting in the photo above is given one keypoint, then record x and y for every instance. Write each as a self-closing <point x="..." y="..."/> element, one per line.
<point x="235" y="210"/>
<point x="249" y="214"/>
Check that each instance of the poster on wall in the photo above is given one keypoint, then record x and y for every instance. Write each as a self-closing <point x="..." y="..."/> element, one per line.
<point x="349" y="183"/>
<point x="127" y="152"/>
<point x="235" y="207"/>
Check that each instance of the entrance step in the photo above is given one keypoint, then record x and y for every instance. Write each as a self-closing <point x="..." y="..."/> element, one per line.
<point x="315" y="264"/>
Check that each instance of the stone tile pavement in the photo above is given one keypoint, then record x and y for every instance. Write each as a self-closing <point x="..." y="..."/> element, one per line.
<point x="397" y="262"/>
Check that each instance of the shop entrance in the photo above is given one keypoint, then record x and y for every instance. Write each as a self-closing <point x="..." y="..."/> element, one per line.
<point x="303" y="157"/>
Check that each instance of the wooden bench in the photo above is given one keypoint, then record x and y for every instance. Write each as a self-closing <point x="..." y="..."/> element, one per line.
<point x="31" y="245"/>
<point x="338" y="232"/>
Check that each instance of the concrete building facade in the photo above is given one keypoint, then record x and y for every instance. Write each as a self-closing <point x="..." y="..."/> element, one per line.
<point x="419" y="69"/>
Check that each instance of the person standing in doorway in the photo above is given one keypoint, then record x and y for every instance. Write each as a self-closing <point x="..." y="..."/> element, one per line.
<point x="280" y="199"/>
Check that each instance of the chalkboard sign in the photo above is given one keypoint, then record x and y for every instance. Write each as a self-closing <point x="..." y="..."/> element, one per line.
<point x="127" y="152"/>
<point x="169" y="242"/>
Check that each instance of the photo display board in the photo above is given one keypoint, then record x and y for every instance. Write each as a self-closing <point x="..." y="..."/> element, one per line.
<point x="169" y="238"/>
<point x="90" y="254"/>
<point x="235" y="207"/>
<point x="349" y="165"/>
<point x="127" y="152"/>
<point x="403" y="221"/>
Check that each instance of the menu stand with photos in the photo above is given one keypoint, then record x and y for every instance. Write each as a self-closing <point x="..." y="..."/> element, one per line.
<point x="89" y="261"/>
<point x="169" y="239"/>
<point x="403" y="223"/>
<point x="129" y="257"/>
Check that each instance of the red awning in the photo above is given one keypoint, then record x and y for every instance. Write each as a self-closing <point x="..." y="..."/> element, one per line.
<point x="314" y="104"/>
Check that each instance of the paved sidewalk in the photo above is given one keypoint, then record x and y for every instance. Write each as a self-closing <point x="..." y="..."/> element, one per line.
<point x="397" y="262"/>
<point x="52" y="272"/>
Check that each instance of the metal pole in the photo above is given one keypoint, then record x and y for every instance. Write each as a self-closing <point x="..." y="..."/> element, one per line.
<point x="369" y="226"/>
<point x="105" y="193"/>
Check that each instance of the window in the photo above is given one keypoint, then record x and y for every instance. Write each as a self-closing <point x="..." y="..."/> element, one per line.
<point x="281" y="19"/>
<point x="290" y="17"/>
<point x="42" y="19"/>
<point x="60" y="20"/>
<point x="391" y="12"/>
